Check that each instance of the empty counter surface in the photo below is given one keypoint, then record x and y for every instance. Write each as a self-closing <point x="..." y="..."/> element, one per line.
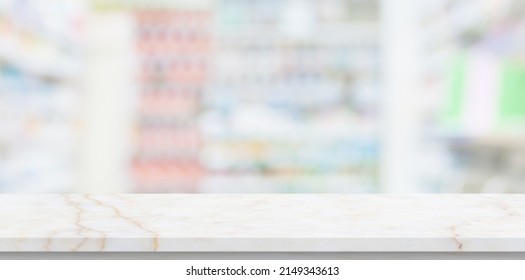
<point x="262" y="223"/>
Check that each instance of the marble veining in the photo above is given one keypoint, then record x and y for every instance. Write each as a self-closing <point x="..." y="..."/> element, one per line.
<point x="262" y="223"/>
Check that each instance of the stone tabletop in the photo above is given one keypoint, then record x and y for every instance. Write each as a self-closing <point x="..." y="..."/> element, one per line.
<point x="262" y="223"/>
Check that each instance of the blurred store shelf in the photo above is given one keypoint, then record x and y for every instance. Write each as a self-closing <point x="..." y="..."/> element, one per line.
<point x="262" y="96"/>
<point x="40" y="70"/>
<point x="474" y="71"/>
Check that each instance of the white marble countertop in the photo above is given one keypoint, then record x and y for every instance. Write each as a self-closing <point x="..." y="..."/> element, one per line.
<point x="262" y="223"/>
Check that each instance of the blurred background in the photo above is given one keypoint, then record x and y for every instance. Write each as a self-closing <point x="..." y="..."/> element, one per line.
<point x="262" y="96"/>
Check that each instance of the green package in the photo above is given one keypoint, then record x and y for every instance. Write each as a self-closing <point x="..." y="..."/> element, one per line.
<point x="512" y="98"/>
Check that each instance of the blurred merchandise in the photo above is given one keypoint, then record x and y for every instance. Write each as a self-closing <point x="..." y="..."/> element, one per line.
<point x="475" y="70"/>
<point x="292" y="101"/>
<point x="40" y="65"/>
<point x="262" y="96"/>
<point x="173" y="49"/>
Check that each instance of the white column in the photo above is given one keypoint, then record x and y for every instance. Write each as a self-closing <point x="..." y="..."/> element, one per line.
<point x="400" y="102"/>
<point x="108" y="103"/>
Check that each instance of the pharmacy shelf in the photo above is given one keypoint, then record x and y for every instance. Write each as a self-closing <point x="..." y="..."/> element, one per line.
<point x="293" y="183"/>
<point x="55" y="68"/>
<point x="40" y="69"/>
<point x="288" y="100"/>
<point x="479" y="147"/>
<point x="323" y="35"/>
